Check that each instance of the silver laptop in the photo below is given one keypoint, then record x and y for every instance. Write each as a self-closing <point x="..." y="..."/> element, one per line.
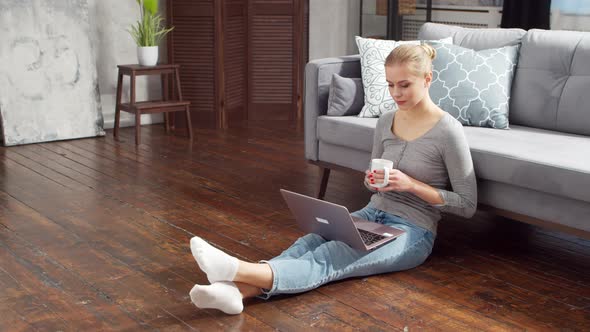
<point x="334" y="222"/>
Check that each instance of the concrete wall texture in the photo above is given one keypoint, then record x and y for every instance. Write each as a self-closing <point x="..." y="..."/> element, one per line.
<point x="48" y="79"/>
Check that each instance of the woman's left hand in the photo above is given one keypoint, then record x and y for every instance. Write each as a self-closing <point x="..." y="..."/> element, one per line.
<point x="398" y="181"/>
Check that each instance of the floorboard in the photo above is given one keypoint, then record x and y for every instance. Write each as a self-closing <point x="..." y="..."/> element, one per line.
<point x="94" y="236"/>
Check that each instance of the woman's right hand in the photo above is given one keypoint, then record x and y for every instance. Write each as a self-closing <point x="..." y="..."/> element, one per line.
<point x="369" y="179"/>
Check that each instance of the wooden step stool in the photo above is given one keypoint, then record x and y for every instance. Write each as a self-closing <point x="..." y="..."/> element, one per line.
<point x="149" y="107"/>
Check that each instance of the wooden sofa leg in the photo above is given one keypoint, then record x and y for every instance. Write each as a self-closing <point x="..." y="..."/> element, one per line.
<point x="324" y="184"/>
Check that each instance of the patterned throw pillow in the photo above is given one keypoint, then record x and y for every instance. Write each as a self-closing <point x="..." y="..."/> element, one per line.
<point x="373" y="54"/>
<point x="474" y="86"/>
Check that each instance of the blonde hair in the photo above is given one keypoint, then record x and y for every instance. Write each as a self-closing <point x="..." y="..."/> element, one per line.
<point x="418" y="57"/>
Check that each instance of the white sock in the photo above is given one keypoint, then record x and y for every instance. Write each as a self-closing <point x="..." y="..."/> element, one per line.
<point x="223" y="295"/>
<point x="218" y="265"/>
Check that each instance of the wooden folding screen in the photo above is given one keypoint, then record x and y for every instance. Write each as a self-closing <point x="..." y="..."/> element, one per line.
<point x="192" y="45"/>
<point x="234" y="70"/>
<point x="240" y="59"/>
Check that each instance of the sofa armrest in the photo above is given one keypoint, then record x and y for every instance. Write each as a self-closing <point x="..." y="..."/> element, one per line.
<point x="318" y="75"/>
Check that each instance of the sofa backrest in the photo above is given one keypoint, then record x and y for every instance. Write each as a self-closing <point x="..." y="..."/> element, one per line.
<point x="551" y="88"/>
<point x="551" y="85"/>
<point x="476" y="39"/>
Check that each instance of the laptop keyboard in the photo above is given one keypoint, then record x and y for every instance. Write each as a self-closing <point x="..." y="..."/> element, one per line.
<point x="370" y="238"/>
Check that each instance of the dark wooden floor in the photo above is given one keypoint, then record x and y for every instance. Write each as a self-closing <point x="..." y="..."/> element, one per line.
<point x="94" y="236"/>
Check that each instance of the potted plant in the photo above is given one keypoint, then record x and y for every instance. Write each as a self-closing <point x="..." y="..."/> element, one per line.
<point x="148" y="32"/>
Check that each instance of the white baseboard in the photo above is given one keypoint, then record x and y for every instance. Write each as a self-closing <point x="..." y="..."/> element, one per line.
<point x="129" y="122"/>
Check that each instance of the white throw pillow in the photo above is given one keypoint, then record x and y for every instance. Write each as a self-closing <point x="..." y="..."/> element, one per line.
<point x="373" y="54"/>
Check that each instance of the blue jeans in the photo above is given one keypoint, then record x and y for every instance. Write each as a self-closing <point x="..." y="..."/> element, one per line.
<point x="313" y="261"/>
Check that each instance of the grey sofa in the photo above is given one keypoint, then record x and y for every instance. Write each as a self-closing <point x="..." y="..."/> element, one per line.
<point x="538" y="171"/>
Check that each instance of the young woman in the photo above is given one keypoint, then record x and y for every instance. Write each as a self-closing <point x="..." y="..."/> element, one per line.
<point x="429" y="152"/>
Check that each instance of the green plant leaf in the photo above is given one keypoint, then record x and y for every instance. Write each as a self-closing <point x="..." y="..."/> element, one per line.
<point x="151" y="6"/>
<point x="149" y="30"/>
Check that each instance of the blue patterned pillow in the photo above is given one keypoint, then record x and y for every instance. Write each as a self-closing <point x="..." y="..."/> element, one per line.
<point x="474" y="86"/>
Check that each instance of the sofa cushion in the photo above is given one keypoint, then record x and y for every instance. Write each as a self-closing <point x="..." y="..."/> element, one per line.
<point x="550" y="89"/>
<point x="373" y="54"/>
<point x="537" y="159"/>
<point x="542" y="160"/>
<point x="476" y="39"/>
<point x="474" y="86"/>
<point x="349" y="131"/>
<point x="346" y="96"/>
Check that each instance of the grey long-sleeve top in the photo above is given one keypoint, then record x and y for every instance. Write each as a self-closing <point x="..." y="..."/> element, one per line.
<point x="439" y="158"/>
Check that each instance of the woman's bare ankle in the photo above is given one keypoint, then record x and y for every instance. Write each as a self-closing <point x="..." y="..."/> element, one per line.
<point x="255" y="274"/>
<point x="248" y="291"/>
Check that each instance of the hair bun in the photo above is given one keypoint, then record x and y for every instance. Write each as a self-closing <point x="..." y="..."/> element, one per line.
<point x="417" y="57"/>
<point x="430" y="51"/>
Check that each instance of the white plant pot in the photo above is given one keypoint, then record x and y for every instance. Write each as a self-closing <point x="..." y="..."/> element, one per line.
<point x="147" y="55"/>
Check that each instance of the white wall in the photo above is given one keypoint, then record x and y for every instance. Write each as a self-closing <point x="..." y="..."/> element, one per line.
<point x="374" y="26"/>
<point x="109" y="21"/>
<point x="333" y="24"/>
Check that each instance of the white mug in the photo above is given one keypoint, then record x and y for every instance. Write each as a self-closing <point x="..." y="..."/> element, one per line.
<point x="381" y="164"/>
